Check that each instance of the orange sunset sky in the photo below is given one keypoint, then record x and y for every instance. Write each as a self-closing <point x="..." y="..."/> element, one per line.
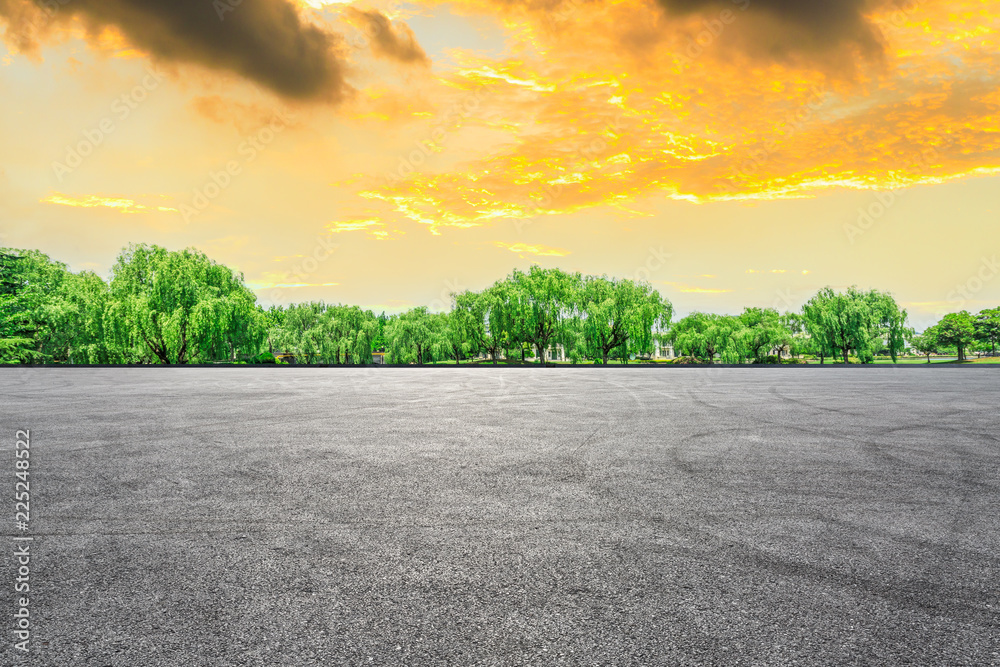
<point x="386" y="153"/>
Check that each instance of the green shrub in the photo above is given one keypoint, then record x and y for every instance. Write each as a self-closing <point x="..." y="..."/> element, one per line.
<point x="264" y="358"/>
<point x="687" y="360"/>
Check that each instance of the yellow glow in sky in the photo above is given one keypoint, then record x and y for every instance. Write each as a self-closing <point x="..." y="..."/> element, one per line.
<point x="470" y="137"/>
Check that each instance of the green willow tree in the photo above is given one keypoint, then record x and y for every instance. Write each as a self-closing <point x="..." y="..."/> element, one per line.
<point x="892" y="329"/>
<point x="864" y="322"/>
<point x="273" y="318"/>
<point x="455" y="336"/>
<point x="50" y="315"/>
<point x="414" y="336"/>
<point x="25" y="281"/>
<point x="483" y="316"/>
<point x="838" y="321"/>
<point x="305" y="333"/>
<point x="705" y="335"/>
<point x="619" y="315"/>
<point x="316" y="332"/>
<point x="539" y="300"/>
<point x="87" y="297"/>
<point x="355" y="333"/>
<point x="761" y="332"/>
<point x="181" y="307"/>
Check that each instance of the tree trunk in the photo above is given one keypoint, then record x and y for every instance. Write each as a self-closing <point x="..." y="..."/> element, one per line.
<point x="182" y="354"/>
<point x="846" y="351"/>
<point x="160" y="354"/>
<point x="541" y="353"/>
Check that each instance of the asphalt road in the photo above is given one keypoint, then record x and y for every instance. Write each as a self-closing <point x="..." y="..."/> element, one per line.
<point x="288" y="516"/>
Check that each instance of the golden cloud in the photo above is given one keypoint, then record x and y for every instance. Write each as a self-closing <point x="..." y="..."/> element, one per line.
<point x="691" y="289"/>
<point x="119" y="204"/>
<point x="589" y="124"/>
<point x="371" y="226"/>
<point x="523" y="249"/>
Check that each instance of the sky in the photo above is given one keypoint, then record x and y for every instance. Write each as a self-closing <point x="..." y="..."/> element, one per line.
<point x="384" y="153"/>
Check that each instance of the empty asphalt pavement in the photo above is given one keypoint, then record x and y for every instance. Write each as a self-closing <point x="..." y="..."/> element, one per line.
<point x="441" y="516"/>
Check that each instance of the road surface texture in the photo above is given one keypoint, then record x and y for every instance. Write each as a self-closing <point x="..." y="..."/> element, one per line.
<point x="480" y="516"/>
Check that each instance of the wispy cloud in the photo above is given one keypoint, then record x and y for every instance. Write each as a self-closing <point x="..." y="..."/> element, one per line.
<point x="524" y="249"/>
<point x="120" y="204"/>
<point x="373" y="228"/>
<point x="692" y="289"/>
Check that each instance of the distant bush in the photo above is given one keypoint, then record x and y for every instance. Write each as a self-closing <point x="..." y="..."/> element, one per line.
<point x="793" y="360"/>
<point x="687" y="360"/>
<point x="264" y="358"/>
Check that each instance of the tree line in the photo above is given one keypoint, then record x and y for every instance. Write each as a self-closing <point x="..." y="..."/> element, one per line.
<point x="831" y="325"/>
<point x="180" y="307"/>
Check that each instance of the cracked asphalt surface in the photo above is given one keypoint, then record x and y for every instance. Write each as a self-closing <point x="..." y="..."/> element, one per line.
<point x="481" y="516"/>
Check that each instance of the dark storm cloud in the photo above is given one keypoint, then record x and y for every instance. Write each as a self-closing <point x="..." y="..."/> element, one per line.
<point x="797" y="24"/>
<point x="394" y="43"/>
<point x="265" y="41"/>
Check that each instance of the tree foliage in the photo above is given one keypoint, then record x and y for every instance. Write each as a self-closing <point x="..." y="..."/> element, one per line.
<point x="926" y="343"/>
<point x="761" y="333"/>
<point x="706" y="335"/>
<point x="865" y="322"/>
<point x="320" y="333"/>
<point x="958" y="330"/>
<point x="618" y="315"/>
<point x="485" y="319"/>
<point x="987" y="326"/>
<point x="414" y="336"/>
<point x="49" y="314"/>
<point x="539" y="302"/>
<point x="181" y="307"/>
